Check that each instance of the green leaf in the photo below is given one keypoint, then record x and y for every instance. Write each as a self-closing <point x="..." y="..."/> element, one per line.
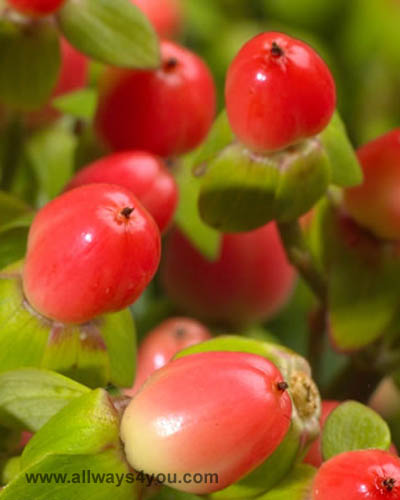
<point x="346" y="170"/>
<point x="353" y="426"/>
<point x="169" y="494"/>
<point x="296" y="486"/>
<point x="30" y="397"/>
<point x="29" y="61"/>
<point x="118" y="331"/>
<point x="87" y="426"/>
<point x="12" y="246"/>
<point x="11" y="469"/>
<point x="114" y="32"/>
<point x="363" y="279"/>
<point x="11" y="208"/>
<point x="51" y="153"/>
<point x="203" y="237"/>
<point x="81" y="103"/>
<point x="219" y="137"/>
<point x="106" y="470"/>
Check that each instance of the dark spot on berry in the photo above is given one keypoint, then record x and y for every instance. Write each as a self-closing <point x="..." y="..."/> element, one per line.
<point x="282" y="386"/>
<point x="276" y="50"/>
<point x="170" y="64"/>
<point x="180" y="332"/>
<point x="126" y="212"/>
<point x="389" y="483"/>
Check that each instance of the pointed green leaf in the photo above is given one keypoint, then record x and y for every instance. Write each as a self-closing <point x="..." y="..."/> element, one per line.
<point x="11" y="208"/>
<point x="346" y="170"/>
<point x="114" y="32"/>
<point x="87" y="426"/>
<point x="30" y="397"/>
<point x="205" y="239"/>
<point x="29" y="61"/>
<point x="71" y="479"/>
<point x="81" y="103"/>
<point x="353" y="426"/>
<point x="51" y="153"/>
<point x="296" y="486"/>
<point x="169" y="494"/>
<point x="119" y="334"/>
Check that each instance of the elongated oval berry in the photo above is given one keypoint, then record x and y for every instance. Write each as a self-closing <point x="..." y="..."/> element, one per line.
<point x="164" y="15"/>
<point x="167" y="111"/>
<point x="36" y="8"/>
<point x="91" y="250"/>
<point x="161" y="344"/>
<point x="142" y="173"/>
<point x="375" y="204"/>
<point x="251" y="279"/>
<point x="278" y="92"/>
<point x="216" y="412"/>
<point x="358" y="475"/>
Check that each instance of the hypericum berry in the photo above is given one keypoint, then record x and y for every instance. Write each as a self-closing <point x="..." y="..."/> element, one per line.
<point x="314" y="455"/>
<point x="142" y="173"/>
<point x="90" y="251"/>
<point x="164" y="15"/>
<point x="278" y="92"/>
<point x="219" y="412"/>
<point x="375" y="204"/>
<point x="161" y="344"/>
<point x="167" y="111"/>
<point x="36" y="8"/>
<point x="251" y="279"/>
<point x="358" y="475"/>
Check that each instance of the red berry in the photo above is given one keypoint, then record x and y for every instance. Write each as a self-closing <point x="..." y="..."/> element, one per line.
<point x="314" y="455"/>
<point x="142" y="173"/>
<point x="219" y="412"/>
<point x="160" y="345"/>
<point x="168" y="111"/>
<point x="36" y="8"/>
<point x="164" y="15"/>
<point x="250" y="281"/>
<point x="278" y="92"/>
<point x="355" y="475"/>
<point x="375" y="204"/>
<point x="90" y="251"/>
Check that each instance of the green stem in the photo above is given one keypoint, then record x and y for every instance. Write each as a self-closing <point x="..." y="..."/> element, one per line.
<point x="300" y="256"/>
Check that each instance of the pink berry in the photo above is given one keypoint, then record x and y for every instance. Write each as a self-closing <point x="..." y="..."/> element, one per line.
<point x="251" y="279"/>
<point x="36" y="8"/>
<point x="142" y="173"/>
<point x="90" y="251"/>
<point x="168" y="111"/>
<point x="164" y="15"/>
<point x="220" y="412"/>
<point x="358" y="475"/>
<point x="375" y="204"/>
<point x="161" y="344"/>
<point x="278" y="92"/>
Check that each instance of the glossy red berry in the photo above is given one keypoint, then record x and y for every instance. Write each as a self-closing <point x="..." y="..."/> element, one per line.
<point x="220" y="412"/>
<point x="358" y="475"/>
<point x="251" y="279"/>
<point x="375" y="204"/>
<point x="161" y="344"/>
<point x="90" y="251"/>
<point x="278" y="92"/>
<point x="168" y="111"/>
<point x="164" y="15"/>
<point x="314" y="455"/>
<point x="36" y="8"/>
<point x="142" y="173"/>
